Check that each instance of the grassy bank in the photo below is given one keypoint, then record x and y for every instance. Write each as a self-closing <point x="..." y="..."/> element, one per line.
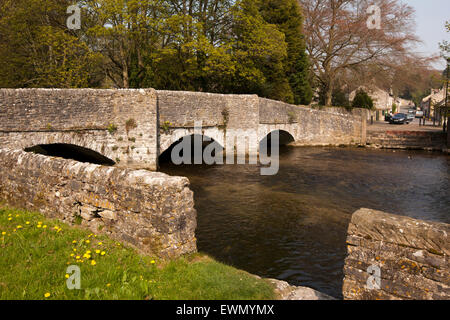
<point x="35" y="253"/>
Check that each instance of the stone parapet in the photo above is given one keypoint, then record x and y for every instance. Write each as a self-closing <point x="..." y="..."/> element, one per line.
<point x="151" y="211"/>
<point x="411" y="256"/>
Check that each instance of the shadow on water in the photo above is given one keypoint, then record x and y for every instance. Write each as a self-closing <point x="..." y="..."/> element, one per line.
<point x="292" y="226"/>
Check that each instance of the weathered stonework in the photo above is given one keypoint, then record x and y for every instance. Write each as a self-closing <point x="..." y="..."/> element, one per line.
<point x="285" y="291"/>
<point x="151" y="211"/>
<point x="133" y="127"/>
<point x="413" y="257"/>
<point x="119" y="124"/>
<point x="311" y="127"/>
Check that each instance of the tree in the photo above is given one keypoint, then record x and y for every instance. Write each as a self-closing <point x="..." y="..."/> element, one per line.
<point x="445" y="45"/>
<point x="37" y="49"/>
<point x="362" y="100"/>
<point x="338" y="38"/>
<point x="287" y="16"/>
<point x="223" y="46"/>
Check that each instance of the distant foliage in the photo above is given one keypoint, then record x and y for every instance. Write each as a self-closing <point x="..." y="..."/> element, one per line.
<point x="227" y="46"/>
<point x="362" y="100"/>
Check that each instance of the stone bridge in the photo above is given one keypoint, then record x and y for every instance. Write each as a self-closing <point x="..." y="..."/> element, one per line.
<point x="134" y="127"/>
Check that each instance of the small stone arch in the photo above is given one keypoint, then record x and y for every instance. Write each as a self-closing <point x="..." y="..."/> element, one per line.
<point x="167" y="140"/>
<point x="285" y="138"/>
<point x="165" y="155"/>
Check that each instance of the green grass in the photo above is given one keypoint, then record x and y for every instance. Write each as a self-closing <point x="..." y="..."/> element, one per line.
<point x="34" y="258"/>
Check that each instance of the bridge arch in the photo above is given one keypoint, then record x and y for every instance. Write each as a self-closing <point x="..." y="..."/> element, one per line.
<point x="285" y="138"/>
<point x="173" y="136"/>
<point x="96" y="141"/>
<point x="71" y="151"/>
<point x="165" y="155"/>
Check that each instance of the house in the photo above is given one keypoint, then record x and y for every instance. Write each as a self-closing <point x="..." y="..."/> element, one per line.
<point x="435" y="99"/>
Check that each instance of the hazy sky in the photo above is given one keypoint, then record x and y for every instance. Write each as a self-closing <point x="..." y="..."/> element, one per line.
<point x="430" y="20"/>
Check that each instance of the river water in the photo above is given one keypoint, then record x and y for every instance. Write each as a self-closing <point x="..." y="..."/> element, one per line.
<point x="292" y="226"/>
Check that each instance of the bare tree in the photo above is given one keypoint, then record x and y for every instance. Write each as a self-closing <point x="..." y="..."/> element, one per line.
<point x="340" y="39"/>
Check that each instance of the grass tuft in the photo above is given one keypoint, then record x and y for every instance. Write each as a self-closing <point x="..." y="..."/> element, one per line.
<point x="35" y="253"/>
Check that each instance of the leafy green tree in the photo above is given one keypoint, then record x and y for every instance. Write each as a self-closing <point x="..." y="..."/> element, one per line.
<point x="287" y="16"/>
<point x="362" y="100"/>
<point x="209" y="45"/>
<point x="37" y="49"/>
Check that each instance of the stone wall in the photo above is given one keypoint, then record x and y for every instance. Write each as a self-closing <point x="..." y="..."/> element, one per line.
<point x="183" y="108"/>
<point x="329" y="126"/>
<point x="133" y="127"/>
<point x="420" y="140"/>
<point x="412" y="256"/>
<point x="151" y="211"/>
<point x="119" y="124"/>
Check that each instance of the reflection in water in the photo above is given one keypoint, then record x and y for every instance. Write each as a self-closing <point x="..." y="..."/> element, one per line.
<point x="292" y="226"/>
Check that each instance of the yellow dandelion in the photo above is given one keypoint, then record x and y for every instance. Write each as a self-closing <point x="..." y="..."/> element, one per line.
<point x="100" y="243"/>
<point x="27" y="222"/>
<point x="88" y="241"/>
<point x="103" y="253"/>
<point x="72" y="254"/>
<point x="152" y="262"/>
<point x="44" y="226"/>
<point x="19" y="227"/>
<point x="3" y="233"/>
<point x="108" y="284"/>
<point x="39" y="222"/>
<point x="97" y="251"/>
<point x="74" y="241"/>
<point x="77" y="257"/>
<point x="17" y="215"/>
<point x="93" y="263"/>
<point x="9" y="219"/>
<point x="47" y="294"/>
<point x="75" y="249"/>
<point x="88" y="252"/>
<point x="67" y="276"/>
<point x="39" y="226"/>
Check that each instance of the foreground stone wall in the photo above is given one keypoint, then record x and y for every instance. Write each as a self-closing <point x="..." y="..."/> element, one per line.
<point x="151" y="211"/>
<point x="412" y="256"/>
<point x="119" y="124"/>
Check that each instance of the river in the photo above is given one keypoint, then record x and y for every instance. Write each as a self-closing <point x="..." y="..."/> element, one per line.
<point x="292" y="226"/>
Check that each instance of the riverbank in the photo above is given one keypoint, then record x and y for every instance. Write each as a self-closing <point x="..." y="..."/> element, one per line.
<point x="37" y="251"/>
<point x="383" y="135"/>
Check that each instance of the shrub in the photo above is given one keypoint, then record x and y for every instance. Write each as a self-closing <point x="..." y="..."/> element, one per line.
<point x="112" y="128"/>
<point x="362" y="100"/>
<point x="130" y="125"/>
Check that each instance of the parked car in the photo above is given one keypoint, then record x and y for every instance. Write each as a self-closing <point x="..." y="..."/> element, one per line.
<point x="419" y="114"/>
<point x="399" y="118"/>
